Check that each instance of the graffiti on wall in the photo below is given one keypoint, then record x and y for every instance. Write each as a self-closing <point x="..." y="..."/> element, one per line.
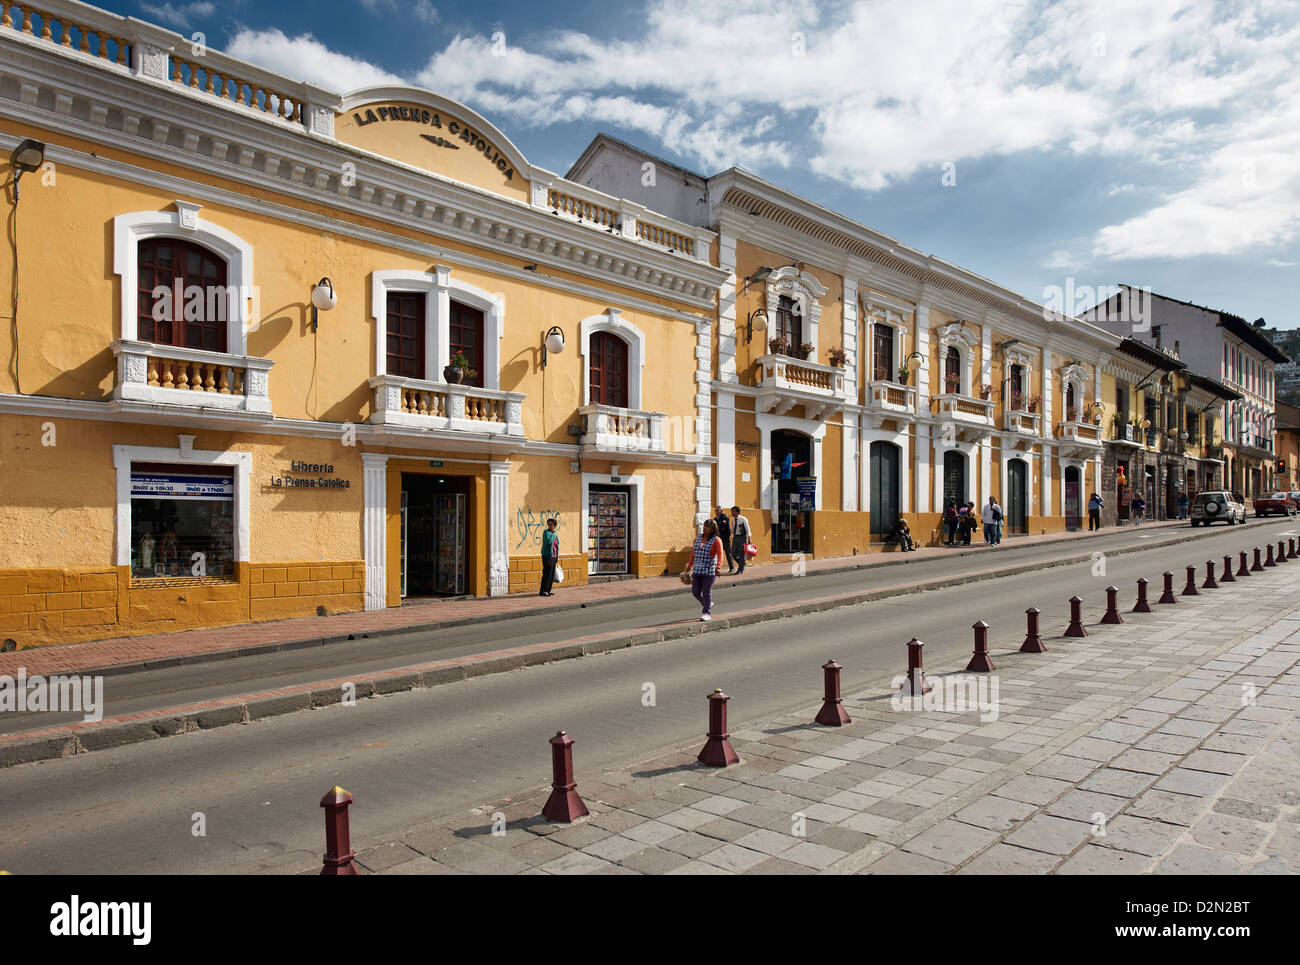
<point x="531" y="523"/>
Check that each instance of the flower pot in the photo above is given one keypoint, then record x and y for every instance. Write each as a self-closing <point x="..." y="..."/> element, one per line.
<point x="1033" y="407"/>
<point x="984" y="396"/>
<point x="453" y="375"/>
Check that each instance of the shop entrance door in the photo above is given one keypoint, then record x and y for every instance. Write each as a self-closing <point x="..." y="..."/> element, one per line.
<point x="795" y="486"/>
<point x="1017" y="497"/>
<point x="884" y="488"/>
<point x="608" y="530"/>
<point x="434" y="539"/>
<point x="1072" y="498"/>
<point x="954" y="477"/>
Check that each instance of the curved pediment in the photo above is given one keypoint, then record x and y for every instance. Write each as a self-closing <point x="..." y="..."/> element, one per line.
<point x="438" y="135"/>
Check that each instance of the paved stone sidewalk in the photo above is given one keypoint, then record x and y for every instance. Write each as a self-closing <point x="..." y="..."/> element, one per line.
<point x="156" y="648"/>
<point x="1167" y="744"/>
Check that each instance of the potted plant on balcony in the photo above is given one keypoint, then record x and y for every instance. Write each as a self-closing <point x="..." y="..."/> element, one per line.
<point x="904" y="373"/>
<point x="1071" y="414"/>
<point x="952" y="382"/>
<point x="838" y="357"/>
<point x="1033" y="402"/>
<point x="778" y="345"/>
<point x="1017" y="401"/>
<point x="457" y="370"/>
<point x="985" y="391"/>
<point x="805" y="349"/>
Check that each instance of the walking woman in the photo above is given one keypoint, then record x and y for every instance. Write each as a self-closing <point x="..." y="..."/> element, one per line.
<point x="706" y="557"/>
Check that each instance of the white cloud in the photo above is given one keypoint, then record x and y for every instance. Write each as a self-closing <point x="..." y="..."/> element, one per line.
<point x="891" y="89"/>
<point x="182" y="15"/>
<point x="306" y="58"/>
<point x="422" y="10"/>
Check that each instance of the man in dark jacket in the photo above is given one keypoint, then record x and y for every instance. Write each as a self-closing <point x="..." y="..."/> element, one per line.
<point x="724" y="534"/>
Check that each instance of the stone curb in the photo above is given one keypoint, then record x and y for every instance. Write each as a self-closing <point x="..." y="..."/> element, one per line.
<point x="80" y="739"/>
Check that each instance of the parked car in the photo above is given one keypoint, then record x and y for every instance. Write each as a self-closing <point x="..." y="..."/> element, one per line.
<point x="1213" y="507"/>
<point x="1274" y="504"/>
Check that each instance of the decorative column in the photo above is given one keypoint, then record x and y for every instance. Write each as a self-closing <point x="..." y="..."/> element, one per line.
<point x="924" y="469"/>
<point x="849" y="435"/>
<point x="374" y="470"/>
<point x="498" y="521"/>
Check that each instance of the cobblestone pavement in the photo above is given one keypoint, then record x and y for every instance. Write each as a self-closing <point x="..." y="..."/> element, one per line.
<point x="1169" y="744"/>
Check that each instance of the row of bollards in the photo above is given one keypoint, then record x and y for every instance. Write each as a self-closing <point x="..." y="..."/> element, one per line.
<point x="564" y="805"/>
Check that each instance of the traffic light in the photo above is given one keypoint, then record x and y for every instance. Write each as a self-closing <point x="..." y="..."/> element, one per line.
<point x="1281" y="465"/>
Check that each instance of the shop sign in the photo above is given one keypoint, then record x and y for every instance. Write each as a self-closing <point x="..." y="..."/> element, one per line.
<point x="453" y="128"/>
<point x="322" y="479"/>
<point x="746" y="450"/>
<point x="178" y="486"/>
<point x="807" y="492"/>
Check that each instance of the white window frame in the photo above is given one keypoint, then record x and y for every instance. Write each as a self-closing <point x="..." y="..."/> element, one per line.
<point x="874" y="315"/>
<point x="956" y="336"/>
<point x="184" y="224"/>
<point x="804" y="290"/>
<point x="611" y="321"/>
<point x="184" y="457"/>
<point x="440" y="290"/>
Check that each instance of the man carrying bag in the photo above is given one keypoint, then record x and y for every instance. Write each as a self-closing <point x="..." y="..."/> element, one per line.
<point x="740" y="536"/>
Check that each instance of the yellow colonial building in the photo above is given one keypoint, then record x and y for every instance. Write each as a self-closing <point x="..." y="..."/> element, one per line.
<point x="857" y="380"/>
<point x="275" y="351"/>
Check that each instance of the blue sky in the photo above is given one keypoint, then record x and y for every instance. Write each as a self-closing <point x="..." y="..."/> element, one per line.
<point x="1153" y="143"/>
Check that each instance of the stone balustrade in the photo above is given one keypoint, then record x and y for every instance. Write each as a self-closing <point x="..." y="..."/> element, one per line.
<point x="170" y="375"/>
<point x="613" y="429"/>
<point x="417" y="403"/>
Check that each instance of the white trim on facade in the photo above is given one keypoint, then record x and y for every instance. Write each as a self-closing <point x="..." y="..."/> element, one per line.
<point x="636" y="504"/>
<point x="184" y="224"/>
<point x="611" y="321"/>
<point x="765" y="423"/>
<point x="184" y="456"/>
<point x="440" y="289"/>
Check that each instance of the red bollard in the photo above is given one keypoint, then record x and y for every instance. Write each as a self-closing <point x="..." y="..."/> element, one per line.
<point x="832" y="713"/>
<point x="338" y="842"/>
<point x="1281" y="551"/>
<point x="1142" y="606"/>
<point x="717" y="750"/>
<point x="564" y="804"/>
<point x="1227" y="576"/>
<point x="1290" y="548"/>
<point x="1190" y="589"/>
<point x="1270" y="561"/>
<point x="1255" y="567"/>
<point x="1112" y="606"/>
<point x="915" y="684"/>
<point x="1033" y="642"/>
<point x="1210" y="583"/>
<point x="1243" y="569"/>
<point x="1075" y="629"/>
<point x="1168" y="595"/>
<point x="980" y="662"/>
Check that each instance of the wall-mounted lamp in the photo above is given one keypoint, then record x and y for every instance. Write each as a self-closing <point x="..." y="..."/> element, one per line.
<point x="758" y="275"/>
<point x="29" y="155"/>
<point x="552" y="342"/>
<point x="761" y="315"/>
<point x="323" y="298"/>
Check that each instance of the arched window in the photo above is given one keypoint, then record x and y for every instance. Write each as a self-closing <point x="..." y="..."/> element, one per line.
<point x="952" y="370"/>
<point x="608" y="370"/>
<point x="1017" y="387"/>
<point x="883" y="352"/>
<point x="1071" y="411"/>
<point x="789" y="322"/>
<point x="466" y="336"/>
<point x="192" y="312"/>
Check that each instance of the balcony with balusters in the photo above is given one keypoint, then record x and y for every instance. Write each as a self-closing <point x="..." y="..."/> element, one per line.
<point x="420" y="404"/>
<point x="784" y="382"/>
<point x="972" y="417"/>
<point x="1023" y="427"/>
<point x="607" y="428"/>
<point x="1078" y="439"/>
<point x="184" y="377"/>
<point x="888" y="400"/>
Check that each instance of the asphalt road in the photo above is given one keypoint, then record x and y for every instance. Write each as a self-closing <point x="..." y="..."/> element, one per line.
<point x="414" y="756"/>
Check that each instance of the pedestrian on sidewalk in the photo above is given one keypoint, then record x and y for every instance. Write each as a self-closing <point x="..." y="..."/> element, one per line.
<point x="992" y="519"/>
<point x="724" y="534"/>
<point x="903" y="536"/>
<point x="1139" y="507"/>
<point x="1094" y="512"/>
<point x="740" y="537"/>
<point x="950" y="519"/>
<point x="967" y="522"/>
<point x="706" y="557"/>
<point x="550" y="556"/>
<point x="1182" y="505"/>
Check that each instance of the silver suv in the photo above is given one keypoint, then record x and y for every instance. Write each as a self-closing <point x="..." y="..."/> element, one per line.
<point x="1213" y="507"/>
